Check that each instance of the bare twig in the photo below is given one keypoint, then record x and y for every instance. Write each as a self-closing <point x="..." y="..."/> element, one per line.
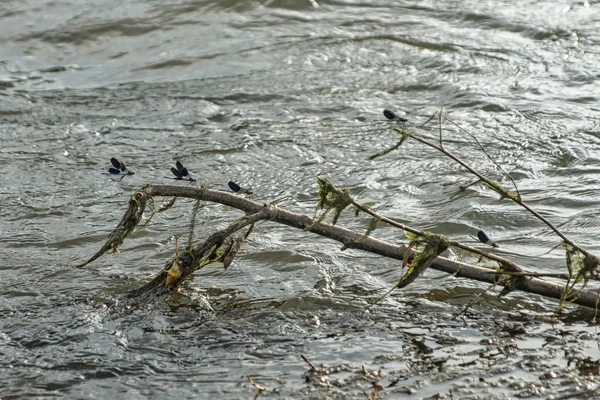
<point x="484" y="152"/>
<point x="441" y="112"/>
<point x="534" y="274"/>
<point x="256" y="385"/>
<point x="577" y="394"/>
<point x="497" y="188"/>
<point x="306" y="360"/>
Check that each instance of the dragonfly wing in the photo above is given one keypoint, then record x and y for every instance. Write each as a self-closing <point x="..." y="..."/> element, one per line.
<point x="113" y="171"/>
<point x="179" y="166"/>
<point x="176" y="172"/>
<point x="482" y="236"/>
<point x="184" y="172"/>
<point x="233" y="186"/>
<point x="116" y="163"/>
<point x="389" y="114"/>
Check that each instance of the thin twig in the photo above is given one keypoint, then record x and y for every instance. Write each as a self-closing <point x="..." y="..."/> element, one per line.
<point x="190" y="243"/>
<point x="306" y="360"/>
<point x="577" y="394"/>
<point x="256" y="385"/>
<point x="503" y="192"/>
<point x="486" y="153"/>
<point x="441" y="113"/>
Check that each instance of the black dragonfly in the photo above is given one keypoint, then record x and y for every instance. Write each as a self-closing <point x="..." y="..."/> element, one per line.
<point x="237" y="188"/>
<point x="389" y="114"/>
<point x="181" y="173"/>
<point x="118" y="169"/>
<point x="484" y="238"/>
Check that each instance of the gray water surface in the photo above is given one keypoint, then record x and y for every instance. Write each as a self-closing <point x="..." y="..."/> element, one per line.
<point x="273" y="94"/>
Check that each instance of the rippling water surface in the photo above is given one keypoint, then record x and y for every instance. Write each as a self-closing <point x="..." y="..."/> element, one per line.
<point x="273" y="94"/>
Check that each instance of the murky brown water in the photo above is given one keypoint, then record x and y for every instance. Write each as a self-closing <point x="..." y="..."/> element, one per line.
<point x="273" y="94"/>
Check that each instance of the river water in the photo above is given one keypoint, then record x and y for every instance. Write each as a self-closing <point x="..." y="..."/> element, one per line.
<point x="273" y="94"/>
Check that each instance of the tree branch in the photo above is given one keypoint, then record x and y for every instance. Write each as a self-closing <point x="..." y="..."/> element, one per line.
<point x="349" y="239"/>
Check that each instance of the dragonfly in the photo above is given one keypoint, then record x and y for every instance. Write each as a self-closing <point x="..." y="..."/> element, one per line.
<point x="484" y="238"/>
<point x="181" y="173"/>
<point x="118" y="169"/>
<point x="237" y="188"/>
<point x="389" y="114"/>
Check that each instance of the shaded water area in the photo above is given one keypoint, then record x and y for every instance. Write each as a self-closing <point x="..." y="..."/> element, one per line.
<point x="272" y="94"/>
